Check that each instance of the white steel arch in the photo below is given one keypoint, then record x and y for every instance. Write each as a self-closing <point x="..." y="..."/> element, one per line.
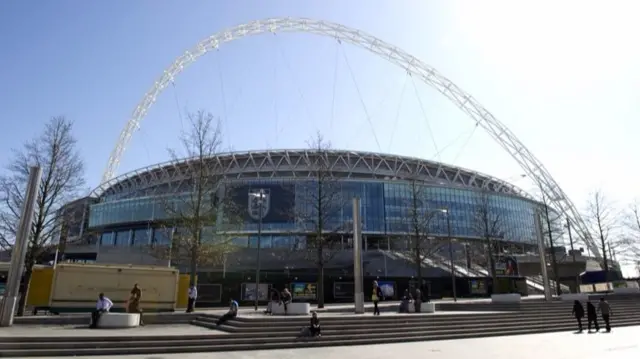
<point x="414" y="67"/>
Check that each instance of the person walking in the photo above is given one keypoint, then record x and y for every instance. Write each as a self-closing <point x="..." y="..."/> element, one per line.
<point x="592" y="317"/>
<point x="605" y="310"/>
<point x="578" y="312"/>
<point x="375" y="297"/>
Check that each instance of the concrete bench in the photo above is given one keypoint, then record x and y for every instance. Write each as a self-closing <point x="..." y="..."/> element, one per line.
<point x="506" y="298"/>
<point x="119" y="320"/>
<point x="424" y="307"/>
<point x="292" y="309"/>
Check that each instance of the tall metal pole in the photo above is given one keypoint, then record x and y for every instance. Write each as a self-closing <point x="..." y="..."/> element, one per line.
<point x="573" y="253"/>
<point x="357" y="259"/>
<point x="552" y="248"/>
<point x="260" y="203"/>
<point x="543" y="262"/>
<point x="453" y="272"/>
<point x="20" y="246"/>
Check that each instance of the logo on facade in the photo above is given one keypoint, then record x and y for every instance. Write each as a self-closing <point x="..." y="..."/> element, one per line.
<point x="259" y="203"/>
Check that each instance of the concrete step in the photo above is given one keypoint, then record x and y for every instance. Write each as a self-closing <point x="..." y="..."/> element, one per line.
<point x="404" y="328"/>
<point x="222" y="343"/>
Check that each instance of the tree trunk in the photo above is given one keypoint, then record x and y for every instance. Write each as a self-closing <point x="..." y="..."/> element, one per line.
<point x="193" y="266"/>
<point x="492" y="264"/>
<point x="320" y="285"/>
<point x="418" y="264"/>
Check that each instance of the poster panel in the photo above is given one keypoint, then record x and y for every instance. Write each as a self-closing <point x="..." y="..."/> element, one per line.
<point x="477" y="287"/>
<point x="249" y="291"/>
<point x="343" y="290"/>
<point x="388" y="288"/>
<point x="506" y="266"/>
<point x="304" y="290"/>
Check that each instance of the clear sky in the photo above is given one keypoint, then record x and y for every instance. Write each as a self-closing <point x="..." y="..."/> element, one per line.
<point x="562" y="75"/>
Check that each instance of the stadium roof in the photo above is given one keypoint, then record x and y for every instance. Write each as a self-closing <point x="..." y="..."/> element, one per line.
<point x="301" y="163"/>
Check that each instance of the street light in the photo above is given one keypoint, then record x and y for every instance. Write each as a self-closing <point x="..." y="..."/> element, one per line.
<point x="258" y="198"/>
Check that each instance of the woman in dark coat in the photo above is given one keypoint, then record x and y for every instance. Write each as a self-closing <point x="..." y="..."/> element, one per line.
<point x="578" y="312"/>
<point x="592" y="316"/>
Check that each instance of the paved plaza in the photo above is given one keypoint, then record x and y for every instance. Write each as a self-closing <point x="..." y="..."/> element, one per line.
<point x="622" y="343"/>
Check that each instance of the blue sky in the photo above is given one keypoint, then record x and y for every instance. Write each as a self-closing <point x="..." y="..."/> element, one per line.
<point x="562" y="75"/>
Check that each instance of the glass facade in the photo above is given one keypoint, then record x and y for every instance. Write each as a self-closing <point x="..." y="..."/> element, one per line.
<point x="293" y="206"/>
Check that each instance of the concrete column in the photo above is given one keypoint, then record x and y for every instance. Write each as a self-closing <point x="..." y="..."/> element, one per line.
<point x="543" y="262"/>
<point x="19" y="252"/>
<point x="357" y="258"/>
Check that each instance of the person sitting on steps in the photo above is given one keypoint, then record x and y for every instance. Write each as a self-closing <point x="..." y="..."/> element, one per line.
<point x="314" y="325"/>
<point x="103" y="305"/>
<point x="231" y="314"/>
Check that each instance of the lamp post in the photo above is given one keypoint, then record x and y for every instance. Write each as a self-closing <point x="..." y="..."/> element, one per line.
<point x="258" y="199"/>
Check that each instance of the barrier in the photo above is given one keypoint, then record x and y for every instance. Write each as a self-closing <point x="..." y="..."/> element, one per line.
<point x="627" y="290"/>
<point x="424" y="308"/>
<point x="119" y="320"/>
<point x="583" y="297"/>
<point x="292" y="309"/>
<point x="505" y="298"/>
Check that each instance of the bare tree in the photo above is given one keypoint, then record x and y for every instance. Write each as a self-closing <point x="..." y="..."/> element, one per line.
<point x="603" y="225"/>
<point x="200" y="221"/>
<point x="488" y="225"/>
<point x="419" y="219"/>
<point x="54" y="150"/>
<point x="319" y="210"/>
<point x="632" y="232"/>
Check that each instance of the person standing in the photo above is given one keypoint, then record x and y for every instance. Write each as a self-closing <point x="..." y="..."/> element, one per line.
<point x="592" y="317"/>
<point x="103" y="305"/>
<point x="286" y="299"/>
<point x="193" y="295"/>
<point x="578" y="312"/>
<point x="134" y="302"/>
<point x="417" y="302"/>
<point x="605" y="310"/>
<point x="375" y="297"/>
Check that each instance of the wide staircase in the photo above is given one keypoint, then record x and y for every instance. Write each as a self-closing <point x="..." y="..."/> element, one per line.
<point x="254" y="332"/>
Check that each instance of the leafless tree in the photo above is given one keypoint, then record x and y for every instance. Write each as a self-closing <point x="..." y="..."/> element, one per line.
<point x="419" y="219"/>
<point x="603" y="225"/>
<point x="199" y="222"/>
<point x="632" y="232"/>
<point x="55" y="151"/>
<point x="487" y="224"/>
<point x="320" y="209"/>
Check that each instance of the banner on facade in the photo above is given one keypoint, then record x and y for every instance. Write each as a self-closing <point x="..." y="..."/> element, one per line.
<point x="388" y="288"/>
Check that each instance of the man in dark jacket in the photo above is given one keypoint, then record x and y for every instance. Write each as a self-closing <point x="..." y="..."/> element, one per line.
<point x="605" y="310"/>
<point x="592" y="316"/>
<point x="578" y="312"/>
